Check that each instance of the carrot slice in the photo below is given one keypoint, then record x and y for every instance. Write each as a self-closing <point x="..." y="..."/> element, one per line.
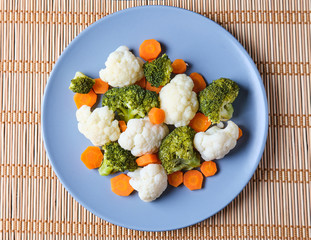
<point x="240" y="133"/>
<point x="198" y="81"/>
<point x="148" y="159"/>
<point x="92" y="157"/>
<point x="208" y="168"/>
<point x="100" y="86"/>
<point x="200" y="122"/>
<point x="179" y="66"/>
<point x="193" y="179"/>
<point x="141" y="82"/>
<point x="122" y="125"/>
<point x="176" y="178"/>
<point x="152" y="88"/>
<point x="156" y="115"/>
<point x="150" y="49"/>
<point x="88" y="99"/>
<point x="120" y="185"/>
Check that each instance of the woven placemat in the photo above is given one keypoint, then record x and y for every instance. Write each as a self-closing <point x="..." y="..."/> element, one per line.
<point x="275" y="204"/>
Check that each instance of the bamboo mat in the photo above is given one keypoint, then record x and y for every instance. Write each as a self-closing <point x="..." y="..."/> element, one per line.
<point x="275" y="204"/>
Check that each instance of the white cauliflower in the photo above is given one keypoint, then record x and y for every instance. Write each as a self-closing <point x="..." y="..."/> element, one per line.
<point x="141" y="136"/>
<point x="150" y="181"/>
<point x="122" y="68"/>
<point x="99" y="126"/>
<point x="178" y="101"/>
<point x="215" y="143"/>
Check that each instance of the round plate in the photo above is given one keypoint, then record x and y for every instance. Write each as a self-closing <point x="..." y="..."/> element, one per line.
<point x="211" y="51"/>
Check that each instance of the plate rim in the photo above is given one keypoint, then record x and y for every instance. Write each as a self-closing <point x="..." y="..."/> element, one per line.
<point x="124" y="11"/>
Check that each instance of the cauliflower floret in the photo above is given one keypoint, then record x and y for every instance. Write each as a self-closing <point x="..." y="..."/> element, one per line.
<point x="150" y="181"/>
<point x="122" y="68"/>
<point x="215" y="143"/>
<point x="178" y="101"/>
<point x="141" y="136"/>
<point x="98" y="126"/>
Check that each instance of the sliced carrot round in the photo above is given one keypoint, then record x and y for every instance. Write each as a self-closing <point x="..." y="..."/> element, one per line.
<point x="198" y="81"/>
<point x="88" y="99"/>
<point x="122" y="126"/>
<point x="175" y="179"/>
<point x="156" y="115"/>
<point x="92" y="157"/>
<point x="100" y="86"/>
<point x="193" y="179"/>
<point x="150" y="49"/>
<point x="148" y="159"/>
<point x="200" y="122"/>
<point x="208" y="168"/>
<point x="120" y="185"/>
<point x="179" y="66"/>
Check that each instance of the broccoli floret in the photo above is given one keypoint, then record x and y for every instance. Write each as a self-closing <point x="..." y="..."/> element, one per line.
<point x="81" y="83"/>
<point x="176" y="151"/>
<point x="215" y="100"/>
<point x="158" y="72"/>
<point x="130" y="102"/>
<point x="116" y="159"/>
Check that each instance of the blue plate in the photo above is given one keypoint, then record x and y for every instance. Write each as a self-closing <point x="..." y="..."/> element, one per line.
<point x="211" y="51"/>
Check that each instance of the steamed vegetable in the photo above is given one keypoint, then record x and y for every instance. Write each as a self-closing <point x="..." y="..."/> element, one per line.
<point x="120" y="185"/>
<point x="158" y="72"/>
<point x="176" y="151"/>
<point x="92" y="157"/>
<point x="179" y="66"/>
<point x="81" y="83"/>
<point x="217" y="98"/>
<point x="130" y="102"/>
<point x="88" y="99"/>
<point x="208" y="168"/>
<point x="193" y="179"/>
<point x="215" y="143"/>
<point x="149" y="181"/>
<point x="150" y="49"/>
<point x="116" y="159"/>
<point x="176" y="178"/>
<point x="198" y="81"/>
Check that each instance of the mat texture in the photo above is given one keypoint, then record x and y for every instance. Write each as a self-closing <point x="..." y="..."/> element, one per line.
<point x="275" y="204"/>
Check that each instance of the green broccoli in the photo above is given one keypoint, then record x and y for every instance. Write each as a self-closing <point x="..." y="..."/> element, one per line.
<point x="176" y="151"/>
<point x="130" y="102"/>
<point x="215" y="100"/>
<point x="158" y="72"/>
<point x="116" y="159"/>
<point x="81" y="83"/>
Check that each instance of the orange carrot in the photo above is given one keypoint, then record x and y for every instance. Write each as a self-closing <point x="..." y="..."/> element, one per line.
<point x="208" y="168"/>
<point x="88" y="99"/>
<point x="175" y="179"/>
<point x="179" y="66"/>
<point x="122" y="125"/>
<point x="240" y="133"/>
<point x="156" y="115"/>
<point x="141" y="82"/>
<point x="198" y="81"/>
<point x="100" y="86"/>
<point x="92" y="157"/>
<point x="200" y="122"/>
<point x="150" y="49"/>
<point x="152" y="88"/>
<point x="147" y="159"/>
<point x="193" y="179"/>
<point x="120" y="185"/>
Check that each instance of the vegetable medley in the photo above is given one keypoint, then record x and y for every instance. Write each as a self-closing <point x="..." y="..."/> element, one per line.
<point x="130" y="134"/>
